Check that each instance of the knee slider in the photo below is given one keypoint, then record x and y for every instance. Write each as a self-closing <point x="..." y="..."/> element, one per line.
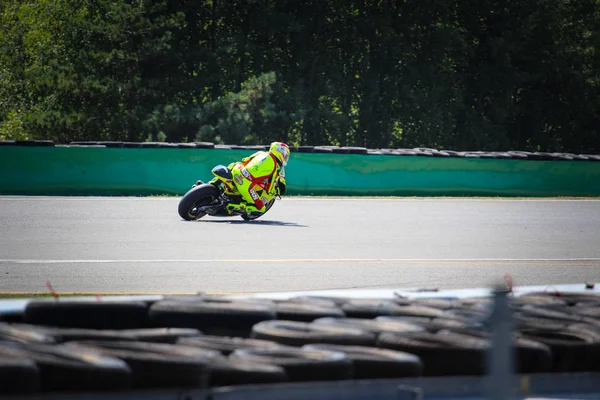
<point x="260" y="205"/>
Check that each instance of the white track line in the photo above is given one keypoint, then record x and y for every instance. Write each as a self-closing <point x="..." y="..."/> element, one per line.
<point x="311" y="260"/>
<point x="317" y="198"/>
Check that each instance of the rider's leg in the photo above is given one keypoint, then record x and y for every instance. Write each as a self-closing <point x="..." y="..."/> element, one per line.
<point x="248" y="194"/>
<point x="257" y="205"/>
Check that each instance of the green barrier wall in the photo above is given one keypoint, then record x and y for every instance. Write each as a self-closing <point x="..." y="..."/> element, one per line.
<point x="146" y="171"/>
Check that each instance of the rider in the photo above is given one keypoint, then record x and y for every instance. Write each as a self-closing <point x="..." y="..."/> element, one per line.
<point x="257" y="172"/>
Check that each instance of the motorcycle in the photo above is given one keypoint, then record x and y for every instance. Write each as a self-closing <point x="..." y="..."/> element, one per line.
<point x="213" y="197"/>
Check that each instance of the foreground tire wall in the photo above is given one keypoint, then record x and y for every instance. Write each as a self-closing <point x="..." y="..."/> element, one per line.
<point x="203" y="341"/>
<point x="114" y="168"/>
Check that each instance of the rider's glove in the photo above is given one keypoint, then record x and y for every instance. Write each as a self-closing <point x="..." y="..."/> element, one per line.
<point x="281" y="188"/>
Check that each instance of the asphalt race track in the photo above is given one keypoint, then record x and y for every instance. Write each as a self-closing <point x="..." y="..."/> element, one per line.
<point x="140" y="245"/>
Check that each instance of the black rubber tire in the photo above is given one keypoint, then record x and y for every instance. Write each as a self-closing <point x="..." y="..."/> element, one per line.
<point x="340" y="150"/>
<point x="238" y="372"/>
<point x="202" y="194"/>
<point x="403" y="152"/>
<point x="368" y="308"/>
<point x="87" y="315"/>
<point x="373" y="326"/>
<point x="11" y="316"/>
<point x="164" y="145"/>
<point x="418" y="311"/>
<point x="560" y="315"/>
<point x="321" y="300"/>
<point x="317" y="301"/>
<point x="465" y="330"/>
<point x="294" y="333"/>
<point x="234" y="318"/>
<point x="356" y="150"/>
<point x="218" y="298"/>
<point x="303" y="149"/>
<point x="132" y="145"/>
<point x="152" y="335"/>
<point x="293" y="311"/>
<point x="528" y="322"/>
<point x="572" y="350"/>
<point x="442" y="355"/>
<point x="588" y="303"/>
<point x="519" y="155"/>
<point x="442" y="304"/>
<point x="112" y="144"/>
<point x="18" y="375"/>
<point x="321" y="149"/>
<point x="45" y="143"/>
<point x="375" y="308"/>
<point x="65" y="369"/>
<point x="570" y="298"/>
<point x="466" y="313"/>
<point x="587" y="311"/>
<point x="532" y="357"/>
<point x="301" y="364"/>
<point x="159" y="365"/>
<point x="25" y="333"/>
<point x="63" y="335"/>
<point x="204" y="145"/>
<point x="205" y="298"/>
<point x="453" y="153"/>
<point x="428" y="324"/>
<point x="543" y="301"/>
<point x="375" y="363"/>
<point x="593" y="329"/>
<point x="161" y="335"/>
<point x="226" y="344"/>
<point x="401" y="301"/>
<point x="182" y="298"/>
<point x="474" y="302"/>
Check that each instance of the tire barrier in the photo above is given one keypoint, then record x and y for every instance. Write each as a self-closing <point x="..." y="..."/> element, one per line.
<point x="215" y="318"/>
<point x="374" y="363"/>
<point x="306" y="312"/>
<point x="294" y="333"/>
<point x="42" y="167"/>
<point x="231" y="372"/>
<point x="226" y="344"/>
<point x="301" y="364"/>
<point x="210" y="341"/>
<point x="61" y="368"/>
<point x="158" y="365"/>
<point x="419" y="151"/>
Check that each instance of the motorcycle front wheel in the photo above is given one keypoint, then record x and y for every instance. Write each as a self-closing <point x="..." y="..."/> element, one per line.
<point x="201" y="195"/>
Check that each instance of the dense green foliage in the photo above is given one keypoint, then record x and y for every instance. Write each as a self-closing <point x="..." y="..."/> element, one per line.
<point x="466" y="75"/>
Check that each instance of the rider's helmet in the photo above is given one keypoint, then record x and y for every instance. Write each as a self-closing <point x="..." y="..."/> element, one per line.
<point x="281" y="151"/>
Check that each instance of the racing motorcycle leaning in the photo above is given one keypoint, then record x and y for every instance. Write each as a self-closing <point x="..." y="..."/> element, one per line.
<point x="213" y="197"/>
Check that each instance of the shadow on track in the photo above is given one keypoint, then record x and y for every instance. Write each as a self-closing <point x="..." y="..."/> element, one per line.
<point x="255" y="222"/>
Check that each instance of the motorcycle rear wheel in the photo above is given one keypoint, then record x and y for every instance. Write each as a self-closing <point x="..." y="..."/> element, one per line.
<point x="201" y="195"/>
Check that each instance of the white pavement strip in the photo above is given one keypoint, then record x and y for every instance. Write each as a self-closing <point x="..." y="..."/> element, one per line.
<point x="314" y="198"/>
<point x="317" y="260"/>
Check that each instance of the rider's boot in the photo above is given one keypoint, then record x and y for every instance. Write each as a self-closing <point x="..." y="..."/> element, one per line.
<point x="233" y="207"/>
<point x="251" y="209"/>
<point x="245" y="207"/>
